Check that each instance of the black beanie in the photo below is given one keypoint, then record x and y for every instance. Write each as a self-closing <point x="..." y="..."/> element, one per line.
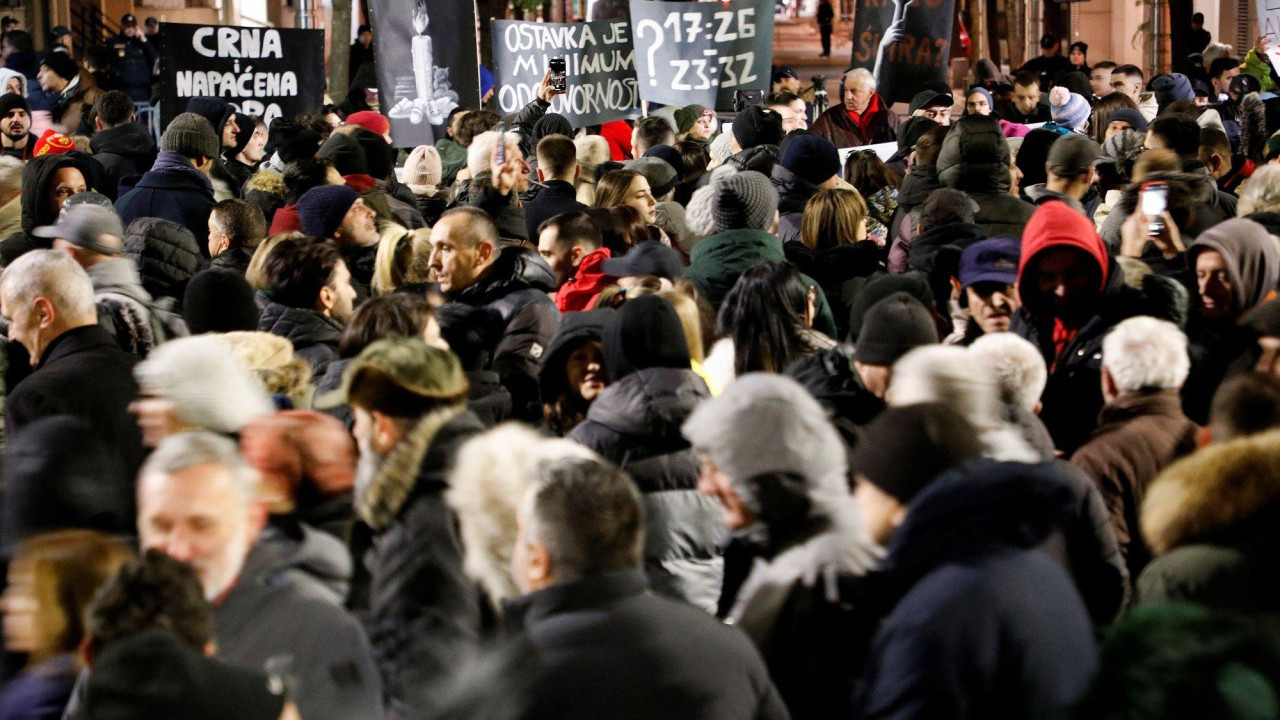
<point x="892" y="328"/>
<point x="757" y="125"/>
<point x="12" y="101"/>
<point x="63" y="64"/>
<point x="218" y="300"/>
<point x="913" y="283"/>
<point x="294" y="141"/>
<point x="246" y="125"/>
<point x="646" y="333"/>
<point x="551" y="124"/>
<point x="347" y="155"/>
<point x="379" y="158"/>
<point x="906" y="448"/>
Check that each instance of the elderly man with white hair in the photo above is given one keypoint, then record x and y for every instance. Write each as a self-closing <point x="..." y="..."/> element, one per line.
<point x="1020" y="375"/>
<point x="79" y="369"/>
<point x="863" y="118"/>
<point x="492" y="190"/>
<point x="1141" y="429"/>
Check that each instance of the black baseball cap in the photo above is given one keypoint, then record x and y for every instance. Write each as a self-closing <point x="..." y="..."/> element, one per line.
<point x="128" y="19"/>
<point x="784" y="72"/>
<point x="59" y="30"/>
<point x="647" y="258"/>
<point x="1048" y="40"/>
<point x="928" y="99"/>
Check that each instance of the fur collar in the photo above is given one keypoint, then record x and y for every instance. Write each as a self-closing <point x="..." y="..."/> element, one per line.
<point x="1212" y="492"/>
<point x="266" y="180"/>
<point x="380" y="501"/>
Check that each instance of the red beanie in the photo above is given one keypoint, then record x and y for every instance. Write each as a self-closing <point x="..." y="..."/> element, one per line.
<point x="52" y="142"/>
<point x="376" y="123"/>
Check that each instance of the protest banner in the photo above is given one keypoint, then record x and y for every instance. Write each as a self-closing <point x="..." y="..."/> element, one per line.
<point x="261" y="71"/>
<point x="690" y="52"/>
<point x="906" y="43"/>
<point x="1268" y="12"/>
<point x="599" y="62"/>
<point x="427" y="65"/>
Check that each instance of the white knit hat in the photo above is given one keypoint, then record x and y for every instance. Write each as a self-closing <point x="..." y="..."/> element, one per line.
<point x="423" y="168"/>
<point x="208" y="385"/>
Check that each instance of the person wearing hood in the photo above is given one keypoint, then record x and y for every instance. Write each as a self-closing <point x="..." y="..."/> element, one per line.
<point x="177" y="187"/>
<point x="1070" y="174"/>
<point x="221" y="116"/>
<point x="230" y="168"/>
<point x="862" y="118"/>
<point x="982" y="624"/>
<point x="1072" y="294"/>
<point x="471" y="269"/>
<point x="16" y="138"/>
<point x="797" y="553"/>
<point x="975" y="159"/>
<point x="1210" y="521"/>
<point x="120" y="145"/>
<point x="635" y="422"/>
<point x="1236" y="267"/>
<point x="572" y="374"/>
<point x="93" y="237"/>
<point x="47" y="182"/>
<point x="12" y="81"/>
<point x="743" y="207"/>
<point x="809" y="163"/>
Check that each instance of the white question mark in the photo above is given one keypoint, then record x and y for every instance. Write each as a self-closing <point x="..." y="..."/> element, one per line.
<point x="657" y="33"/>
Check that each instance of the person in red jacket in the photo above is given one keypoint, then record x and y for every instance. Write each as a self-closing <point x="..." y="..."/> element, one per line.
<point x="571" y="243"/>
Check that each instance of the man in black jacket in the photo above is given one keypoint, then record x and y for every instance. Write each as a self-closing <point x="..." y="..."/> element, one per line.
<point x="557" y="169"/>
<point x="311" y="299"/>
<point x="580" y="531"/>
<point x="421" y="612"/>
<point x="177" y="187"/>
<point x="514" y="281"/>
<point x="122" y="146"/>
<point x="236" y="228"/>
<point x="16" y="138"/>
<point x="79" y="369"/>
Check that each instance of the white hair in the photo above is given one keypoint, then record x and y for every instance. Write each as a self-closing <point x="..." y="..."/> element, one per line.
<point x="182" y="450"/>
<point x="860" y="76"/>
<point x="10" y="175"/>
<point x="52" y="275"/>
<point x="486" y="485"/>
<point x="480" y="153"/>
<point x="952" y="376"/>
<point x="209" y="386"/>
<point x="1145" y="353"/>
<point x="1261" y="192"/>
<point x="1017" y="365"/>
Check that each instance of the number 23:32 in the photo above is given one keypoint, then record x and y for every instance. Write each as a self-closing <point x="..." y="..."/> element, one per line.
<point x="744" y="74"/>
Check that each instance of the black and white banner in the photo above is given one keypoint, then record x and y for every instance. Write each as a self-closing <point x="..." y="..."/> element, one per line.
<point x="599" y="66"/>
<point x="262" y="71"/>
<point x="692" y="52"/>
<point x="906" y="43"/>
<point x="427" y="65"/>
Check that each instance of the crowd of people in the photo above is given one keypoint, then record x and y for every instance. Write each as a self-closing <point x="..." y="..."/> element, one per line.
<point x="648" y="419"/>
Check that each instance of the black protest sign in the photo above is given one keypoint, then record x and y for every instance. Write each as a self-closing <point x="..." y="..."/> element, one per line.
<point x="599" y="67"/>
<point x="427" y="65"/>
<point x="906" y="43"/>
<point x="700" y="53"/>
<point x="269" y="72"/>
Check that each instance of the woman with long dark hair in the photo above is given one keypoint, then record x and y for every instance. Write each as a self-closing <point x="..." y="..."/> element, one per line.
<point x="878" y="184"/>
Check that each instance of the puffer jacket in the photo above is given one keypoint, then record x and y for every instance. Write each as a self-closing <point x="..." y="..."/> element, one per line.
<point x="636" y="423"/>
<point x="167" y="255"/>
<point x="314" y="336"/>
<point x="516" y="286"/>
<point x="793" y="192"/>
<point x="125" y="307"/>
<point x="975" y="159"/>
<point x="915" y="189"/>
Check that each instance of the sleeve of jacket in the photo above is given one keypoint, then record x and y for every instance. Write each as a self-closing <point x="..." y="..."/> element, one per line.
<point x="516" y="358"/>
<point x="913" y="676"/>
<point x="506" y="215"/>
<point x="1097" y="566"/>
<point x="1089" y="459"/>
<point x="1259" y="68"/>
<point x="523" y="122"/>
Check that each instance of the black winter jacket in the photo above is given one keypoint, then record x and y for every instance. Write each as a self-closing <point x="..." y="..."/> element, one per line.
<point x="235" y="259"/>
<point x="556" y="198"/>
<point x="516" y="286"/>
<point x="167" y="255"/>
<point x="122" y="151"/>
<point x="37" y="177"/>
<point x="975" y="159"/>
<point x="793" y="192"/>
<point x="636" y="423"/>
<point x="986" y="626"/>
<point x="314" y="336"/>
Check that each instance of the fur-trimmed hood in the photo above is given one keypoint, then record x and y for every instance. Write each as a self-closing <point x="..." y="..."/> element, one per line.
<point x="379" y="500"/>
<point x="266" y="180"/>
<point x="1212" y="493"/>
<point x="1253" y="127"/>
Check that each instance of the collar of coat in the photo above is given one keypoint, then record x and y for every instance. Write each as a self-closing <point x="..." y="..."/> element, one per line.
<point x="380" y="501"/>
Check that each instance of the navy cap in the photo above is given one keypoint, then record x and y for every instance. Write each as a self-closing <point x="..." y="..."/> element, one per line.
<point x="647" y="258"/>
<point x="993" y="260"/>
<point x="784" y="72"/>
<point x="129" y="19"/>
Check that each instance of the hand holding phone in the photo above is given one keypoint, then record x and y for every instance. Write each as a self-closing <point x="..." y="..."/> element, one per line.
<point x="556" y="67"/>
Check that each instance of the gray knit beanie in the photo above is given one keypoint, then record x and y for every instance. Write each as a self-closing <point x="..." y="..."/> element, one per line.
<point x="746" y="200"/>
<point x="191" y="136"/>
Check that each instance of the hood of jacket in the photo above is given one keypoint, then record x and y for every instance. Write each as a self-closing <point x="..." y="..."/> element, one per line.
<point x="978" y="508"/>
<point x="36" y="178"/>
<point x="925" y="248"/>
<point x="130" y="140"/>
<point x="793" y="190"/>
<point x="1251" y="256"/>
<point x="288" y="546"/>
<point x="574" y="328"/>
<point x="650" y="406"/>
<point x="916" y="186"/>
<point x="1219" y="493"/>
<point x="716" y="262"/>
<point x="517" y="268"/>
<point x="118" y="275"/>
<point x="301" y="326"/>
<point x="975" y="156"/>
<point x="1055" y="225"/>
<point x="266" y="180"/>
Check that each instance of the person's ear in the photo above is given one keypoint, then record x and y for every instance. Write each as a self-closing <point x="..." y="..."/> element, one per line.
<point x="576" y="253"/>
<point x="538" y="569"/>
<point x="44" y="312"/>
<point x="257" y="519"/>
<point x="326" y="299"/>
<point x="86" y="651"/>
<point x="542" y="177"/>
<point x="577" y="170"/>
<point x="385" y="431"/>
<point x="97" y="122"/>
<point x="484" y="251"/>
<point x="1109" y="389"/>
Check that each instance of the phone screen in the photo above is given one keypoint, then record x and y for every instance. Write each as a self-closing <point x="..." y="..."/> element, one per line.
<point x="556" y="66"/>
<point x="1154" y="199"/>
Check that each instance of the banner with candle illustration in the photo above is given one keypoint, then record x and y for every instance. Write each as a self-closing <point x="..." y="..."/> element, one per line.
<point x="427" y="65"/>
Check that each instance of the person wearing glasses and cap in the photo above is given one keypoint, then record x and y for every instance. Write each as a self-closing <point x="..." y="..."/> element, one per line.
<point x="133" y="58"/>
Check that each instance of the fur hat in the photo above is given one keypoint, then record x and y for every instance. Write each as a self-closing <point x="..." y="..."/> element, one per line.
<point x="209" y="386"/>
